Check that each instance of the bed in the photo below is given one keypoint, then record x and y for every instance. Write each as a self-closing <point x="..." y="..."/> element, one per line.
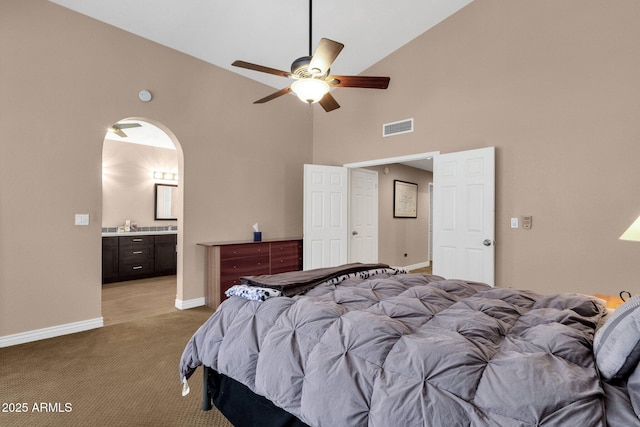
<point x="370" y="345"/>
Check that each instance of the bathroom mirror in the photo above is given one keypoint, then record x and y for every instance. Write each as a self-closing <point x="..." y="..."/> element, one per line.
<point x="165" y="202"/>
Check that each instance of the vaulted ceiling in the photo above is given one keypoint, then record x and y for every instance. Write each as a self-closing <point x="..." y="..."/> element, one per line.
<point x="273" y="33"/>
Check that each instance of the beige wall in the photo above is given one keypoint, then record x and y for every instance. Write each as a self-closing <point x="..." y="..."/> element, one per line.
<point x="59" y="91"/>
<point x="554" y="86"/>
<point x="400" y="236"/>
<point x="128" y="184"/>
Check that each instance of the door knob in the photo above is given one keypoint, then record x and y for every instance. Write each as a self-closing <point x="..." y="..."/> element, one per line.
<point x="354" y="233"/>
<point x="486" y="242"/>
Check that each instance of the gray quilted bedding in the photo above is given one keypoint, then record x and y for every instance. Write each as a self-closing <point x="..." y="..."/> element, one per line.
<point x="411" y="350"/>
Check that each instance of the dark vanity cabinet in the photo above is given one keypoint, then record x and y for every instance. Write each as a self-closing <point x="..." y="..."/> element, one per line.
<point x="138" y="256"/>
<point x="109" y="259"/>
<point x="164" y="259"/>
<point x="135" y="256"/>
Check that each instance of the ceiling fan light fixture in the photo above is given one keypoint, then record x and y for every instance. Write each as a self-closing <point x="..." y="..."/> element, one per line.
<point x="310" y="90"/>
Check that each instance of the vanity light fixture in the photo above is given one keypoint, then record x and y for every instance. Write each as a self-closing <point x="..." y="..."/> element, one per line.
<point x="166" y="176"/>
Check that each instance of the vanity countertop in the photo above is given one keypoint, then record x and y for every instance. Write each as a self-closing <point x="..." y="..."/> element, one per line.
<point x="138" y="233"/>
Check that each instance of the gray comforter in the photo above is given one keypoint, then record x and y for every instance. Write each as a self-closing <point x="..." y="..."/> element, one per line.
<point x="411" y="350"/>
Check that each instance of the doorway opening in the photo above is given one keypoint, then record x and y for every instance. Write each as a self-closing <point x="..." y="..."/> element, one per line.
<point x="463" y="220"/>
<point x="414" y="250"/>
<point x="142" y="276"/>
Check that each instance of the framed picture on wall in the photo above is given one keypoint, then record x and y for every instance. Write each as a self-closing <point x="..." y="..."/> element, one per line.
<point x="405" y="199"/>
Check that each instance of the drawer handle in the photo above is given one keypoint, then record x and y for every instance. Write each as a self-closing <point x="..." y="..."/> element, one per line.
<point x="137" y="252"/>
<point x="137" y="240"/>
<point x="136" y="267"/>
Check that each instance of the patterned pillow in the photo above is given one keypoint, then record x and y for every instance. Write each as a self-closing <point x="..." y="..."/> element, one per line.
<point x="616" y="345"/>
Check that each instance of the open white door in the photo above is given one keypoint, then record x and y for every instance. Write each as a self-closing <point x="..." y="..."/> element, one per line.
<point x="363" y="214"/>
<point x="325" y="216"/>
<point x="464" y="215"/>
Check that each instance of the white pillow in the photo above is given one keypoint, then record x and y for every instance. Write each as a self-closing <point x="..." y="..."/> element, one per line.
<point x="616" y="345"/>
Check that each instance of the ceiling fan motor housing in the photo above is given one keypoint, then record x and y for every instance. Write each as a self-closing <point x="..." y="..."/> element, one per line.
<point x="300" y="68"/>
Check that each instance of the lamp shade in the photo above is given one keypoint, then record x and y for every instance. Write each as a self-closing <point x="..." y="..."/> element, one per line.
<point x="310" y="90"/>
<point x="633" y="232"/>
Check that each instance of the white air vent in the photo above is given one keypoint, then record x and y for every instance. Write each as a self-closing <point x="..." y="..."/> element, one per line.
<point x="395" y="128"/>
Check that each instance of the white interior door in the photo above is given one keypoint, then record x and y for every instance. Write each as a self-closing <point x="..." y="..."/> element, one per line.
<point x="325" y="221"/>
<point x="430" y="237"/>
<point x="464" y="215"/>
<point x="363" y="213"/>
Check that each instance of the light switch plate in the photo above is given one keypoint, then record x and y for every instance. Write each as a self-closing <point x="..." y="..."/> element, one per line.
<point x="82" y="219"/>
<point x="514" y="222"/>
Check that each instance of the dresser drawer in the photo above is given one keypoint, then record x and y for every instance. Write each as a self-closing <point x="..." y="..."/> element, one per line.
<point x="136" y="252"/>
<point x="135" y="240"/>
<point x="285" y="249"/>
<point x="244" y="251"/>
<point x="230" y="268"/>
<point x="286" y="256"/>
<point x="283" y="265"/>
<point x="133" y="268"/>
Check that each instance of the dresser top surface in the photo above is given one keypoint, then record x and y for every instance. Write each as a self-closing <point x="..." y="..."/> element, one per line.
<point x="242" y="242"/>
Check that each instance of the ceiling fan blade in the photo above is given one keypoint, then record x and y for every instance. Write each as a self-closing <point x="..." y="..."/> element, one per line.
<point x="261" y="68"/>
<point x="326" y="52"/>
<point x="127" y="125"/>
<point x="117" y="131"/>
<point x="367" y="82"/>
<point x="328" y="102"/>
<point x="274" y="95"/>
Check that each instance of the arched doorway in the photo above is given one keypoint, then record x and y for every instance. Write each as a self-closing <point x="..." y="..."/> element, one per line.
<point x="141" y="161"/>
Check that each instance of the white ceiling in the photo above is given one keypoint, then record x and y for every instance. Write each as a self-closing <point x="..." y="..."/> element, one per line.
<point x="273" y="33"/>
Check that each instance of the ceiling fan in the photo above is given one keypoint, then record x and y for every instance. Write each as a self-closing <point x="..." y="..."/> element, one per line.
<point x="311" y="74"/>
<point x="117" y="128"/>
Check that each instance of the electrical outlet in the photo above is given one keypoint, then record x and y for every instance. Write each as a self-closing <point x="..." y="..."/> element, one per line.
<point x="527" y="222"/>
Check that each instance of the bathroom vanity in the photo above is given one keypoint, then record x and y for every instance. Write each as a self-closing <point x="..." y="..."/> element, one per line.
<point x="137" y="255"/>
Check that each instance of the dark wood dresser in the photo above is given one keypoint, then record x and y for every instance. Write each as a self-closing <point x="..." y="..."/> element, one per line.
<point x="226" y="262"/>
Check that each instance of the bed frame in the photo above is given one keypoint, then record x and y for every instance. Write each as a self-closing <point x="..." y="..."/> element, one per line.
<point x="240" y="405"/>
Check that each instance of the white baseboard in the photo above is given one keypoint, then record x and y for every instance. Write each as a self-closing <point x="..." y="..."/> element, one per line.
<point x="54" y="331"/>
<point x="417" y="266"/>
<point x="190" y="303"/>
